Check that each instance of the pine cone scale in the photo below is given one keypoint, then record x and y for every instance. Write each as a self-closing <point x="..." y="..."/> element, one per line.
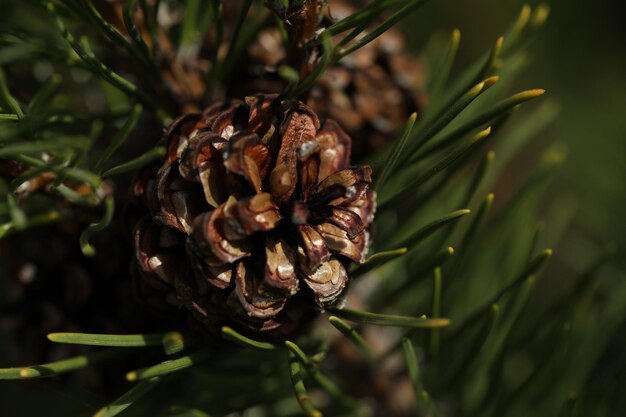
<point x="281" y="268"/>
<point x="327" y="281"/>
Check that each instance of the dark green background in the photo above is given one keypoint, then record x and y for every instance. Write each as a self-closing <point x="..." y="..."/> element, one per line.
<point x="580" y="59"/>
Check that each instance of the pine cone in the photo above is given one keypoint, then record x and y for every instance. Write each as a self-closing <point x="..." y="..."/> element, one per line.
<point x="371" y="93"/>
<point x="255" y="215"/>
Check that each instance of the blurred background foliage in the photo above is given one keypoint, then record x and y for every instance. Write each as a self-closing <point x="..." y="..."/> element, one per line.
<point x="580" y="59"/>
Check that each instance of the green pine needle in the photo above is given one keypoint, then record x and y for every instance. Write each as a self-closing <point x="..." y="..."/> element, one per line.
<point x="531" y="269"/>
<point x="58" y="367"/>
<point x="432" y="227"/>
<point x="478" y="221"/>
<point x="290" y="75"/>
<point x="168" y="367"/>
<point x="140" y="55"/>
<point x="377" y="260"/>
<point x="244" y="9"/>
<point x="439" y="80"/>
<point x="8" y="99"/>
<point x="479" y="177"/>
<point x="455" y="370"/>
<point x="230" y="334"/>
<point x="136" y="163"/>
<point x="322" y="380"/>
<point x="82" y="49"/>
<point x="140" y="44"/>
<point x="41" y="219"/>
<point x="363" y="17"/>
<point x="353" y="336"/>
<point x="299" y="388"/>
<point x="324" y="62"/>
<point x="567" y="410"/>
<point x="120" y="138"/>
<point x="109" y="208"/>
<point x="117" y="340"/>
<point x="44" y="94"/>
<point x="389" y="320"/>
<point x="435" y="334"/>
<point x="477" y="121"/>
<point x="422" y="398"/>
<point x="450" y="160"/>
<point x="18" y="217"/>
<point x="9" y="117"/>
<point x="130" y="397"/>
<point x="397" y="289"/>
<point x="410" y="6"/>
<point x="396" y="152"/>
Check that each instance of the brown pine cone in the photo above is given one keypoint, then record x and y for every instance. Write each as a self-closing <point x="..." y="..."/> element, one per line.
<point x="371" y="93"/>
<point x="255" y="214"/>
